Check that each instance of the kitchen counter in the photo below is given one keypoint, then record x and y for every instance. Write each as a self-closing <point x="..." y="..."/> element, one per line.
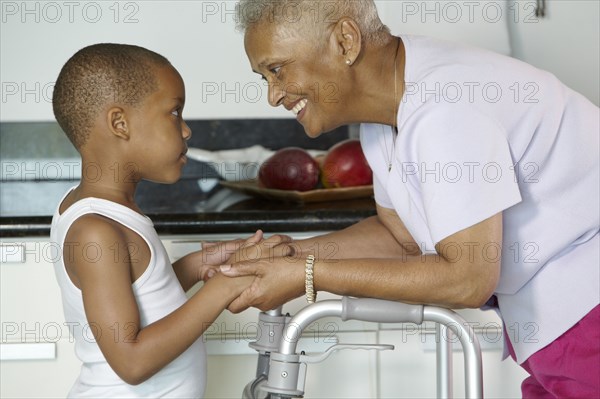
<point x="39" y="165"/>
<point x="222" y="210"/>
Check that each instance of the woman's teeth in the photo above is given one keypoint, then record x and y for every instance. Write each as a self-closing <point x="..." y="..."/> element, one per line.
<point x="300" y="106"/>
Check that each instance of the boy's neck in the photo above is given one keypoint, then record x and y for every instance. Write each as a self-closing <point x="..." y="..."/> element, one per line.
<point x="108" y="181"/>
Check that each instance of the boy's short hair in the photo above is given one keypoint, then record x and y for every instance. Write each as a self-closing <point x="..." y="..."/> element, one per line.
<point x="99" y="74"/>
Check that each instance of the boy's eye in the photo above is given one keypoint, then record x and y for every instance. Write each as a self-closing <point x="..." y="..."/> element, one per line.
<point x="176" y="112"/>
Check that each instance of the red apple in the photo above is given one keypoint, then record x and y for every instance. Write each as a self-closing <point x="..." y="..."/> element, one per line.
<point x="345" y="165"/>
<point x="290" y="168"/>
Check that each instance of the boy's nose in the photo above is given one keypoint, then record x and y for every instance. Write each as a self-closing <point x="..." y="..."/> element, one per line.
<point x="186" y="131"/>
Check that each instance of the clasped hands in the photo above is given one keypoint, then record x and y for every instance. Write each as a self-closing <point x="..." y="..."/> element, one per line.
<point x="270" y="260"/>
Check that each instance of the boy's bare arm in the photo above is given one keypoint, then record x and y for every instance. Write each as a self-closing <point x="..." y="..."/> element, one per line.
<point x="136" y="354"/>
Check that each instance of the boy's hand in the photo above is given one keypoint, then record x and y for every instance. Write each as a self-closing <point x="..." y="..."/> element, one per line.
<point x="214" y="254"/>
<point x="255" y="247"/>
<point x="267" y="249"/>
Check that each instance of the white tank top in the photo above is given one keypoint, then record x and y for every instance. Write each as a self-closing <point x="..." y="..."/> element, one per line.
<point x="157" y="292"/>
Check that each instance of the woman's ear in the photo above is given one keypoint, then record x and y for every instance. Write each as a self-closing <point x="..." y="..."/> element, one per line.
<point x="348" y="40"/>
<point x="117" y="123"/>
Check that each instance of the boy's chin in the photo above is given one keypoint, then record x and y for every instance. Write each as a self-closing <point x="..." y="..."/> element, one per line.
<point x="165" y="180"/>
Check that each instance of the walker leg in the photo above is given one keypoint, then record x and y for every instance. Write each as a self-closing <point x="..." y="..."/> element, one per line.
<point x="443" y="361"/>
<point x="470" y="346"/>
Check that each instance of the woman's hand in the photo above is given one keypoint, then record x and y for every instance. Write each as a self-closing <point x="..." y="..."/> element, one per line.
<point x="280" y="279"/>
<point x="202" y="265"/>
<point x="255" y="247"/>
<point x="214" y="254"/>
<point x="277" y="281"/>
<point x="250" y="249"/>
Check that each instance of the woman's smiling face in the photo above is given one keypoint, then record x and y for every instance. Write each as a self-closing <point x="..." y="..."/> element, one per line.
<point x="303" y="76"/>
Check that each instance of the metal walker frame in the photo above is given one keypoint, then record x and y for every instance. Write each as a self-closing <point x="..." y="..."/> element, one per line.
<point x="281" y="372"/>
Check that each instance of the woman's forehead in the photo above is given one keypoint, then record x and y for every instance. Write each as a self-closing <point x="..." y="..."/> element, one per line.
<point x="274" y="35"/>
<point x="269" y="40"/>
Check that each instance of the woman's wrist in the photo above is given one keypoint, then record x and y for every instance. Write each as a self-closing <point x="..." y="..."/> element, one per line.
<point x="303" y="248"/>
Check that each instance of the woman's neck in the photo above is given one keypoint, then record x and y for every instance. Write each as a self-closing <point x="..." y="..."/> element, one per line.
<point x="379" y="83"/>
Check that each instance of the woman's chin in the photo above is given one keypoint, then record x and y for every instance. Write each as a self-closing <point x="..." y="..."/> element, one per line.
<point x="311" y="132"/>
<point x="315" y="131"/>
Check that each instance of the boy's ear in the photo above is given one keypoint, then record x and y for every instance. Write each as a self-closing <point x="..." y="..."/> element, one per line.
<point x="117" y="122"/>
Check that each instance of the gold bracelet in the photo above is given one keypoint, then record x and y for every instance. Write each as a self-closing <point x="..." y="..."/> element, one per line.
<point x="308" y="282"/>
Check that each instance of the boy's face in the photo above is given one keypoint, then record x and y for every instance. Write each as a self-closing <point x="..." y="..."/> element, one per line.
<point x="160" y="133"/>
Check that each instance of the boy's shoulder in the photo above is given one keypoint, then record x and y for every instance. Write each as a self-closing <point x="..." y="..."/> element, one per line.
<point x="93" y="239"/>
<point x="90" y="218"/>
<point x="95" y="229"/>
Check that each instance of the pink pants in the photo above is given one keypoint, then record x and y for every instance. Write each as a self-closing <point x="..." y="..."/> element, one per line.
<point x="570" y="366"/>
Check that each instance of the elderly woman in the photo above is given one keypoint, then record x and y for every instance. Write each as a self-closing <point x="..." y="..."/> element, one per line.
<point x="485" y="178"/>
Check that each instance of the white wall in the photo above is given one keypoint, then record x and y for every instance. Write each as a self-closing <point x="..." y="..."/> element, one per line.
<point x="37" y="37"/>
<point x="479" y="23"/>
<point x="198" y="37"/>
<point x="565" y="42"/>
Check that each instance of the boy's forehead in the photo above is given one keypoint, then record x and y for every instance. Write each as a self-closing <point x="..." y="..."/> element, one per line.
<point x="169" y="79"/>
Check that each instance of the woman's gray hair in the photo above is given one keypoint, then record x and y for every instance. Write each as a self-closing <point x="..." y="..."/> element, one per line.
<point x="311" y="14"/>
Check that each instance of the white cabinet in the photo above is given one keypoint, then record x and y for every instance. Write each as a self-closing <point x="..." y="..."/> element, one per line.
<point x="410" y="370"/>
<point x="232" y="364"/>
<point x="43" y="365"/>
<point x="38" y="358"/>
<point x="51" y="378"/>
<point x="345" y="374"/>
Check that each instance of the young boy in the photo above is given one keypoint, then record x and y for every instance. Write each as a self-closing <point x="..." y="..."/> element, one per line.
<point x="135" y="332"/>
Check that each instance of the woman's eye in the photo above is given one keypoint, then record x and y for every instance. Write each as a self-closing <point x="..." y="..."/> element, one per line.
<point x="176" y="112"/>
<point x="275" y="71"/>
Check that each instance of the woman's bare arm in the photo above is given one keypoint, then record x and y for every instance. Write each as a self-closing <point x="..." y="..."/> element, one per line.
<point x="467" y="280"/>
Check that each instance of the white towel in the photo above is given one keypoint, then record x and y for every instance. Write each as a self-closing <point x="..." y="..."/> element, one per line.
<point x="239" y="163"/>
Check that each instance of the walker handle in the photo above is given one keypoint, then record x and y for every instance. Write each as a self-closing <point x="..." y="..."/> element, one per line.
<point x="380" y="311"/>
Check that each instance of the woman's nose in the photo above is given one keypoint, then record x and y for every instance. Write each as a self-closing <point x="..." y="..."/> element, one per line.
<point x="276" y="94"/>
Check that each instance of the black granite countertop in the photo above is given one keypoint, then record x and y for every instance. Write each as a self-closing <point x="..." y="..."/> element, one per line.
<point x="186" y="207"/>
<point x="244" y="215"/>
